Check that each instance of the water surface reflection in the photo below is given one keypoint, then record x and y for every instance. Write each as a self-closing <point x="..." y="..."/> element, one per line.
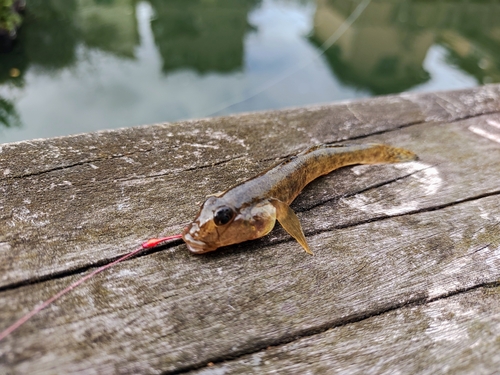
<point x="84" y="65"/>
<point x="385" y="49"/>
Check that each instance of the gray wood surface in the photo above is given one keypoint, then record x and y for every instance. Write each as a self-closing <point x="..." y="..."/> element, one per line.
<point x="406" y="265"/>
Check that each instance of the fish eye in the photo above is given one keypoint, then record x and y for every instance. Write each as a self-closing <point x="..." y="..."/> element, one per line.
<point x="223" y="216"/>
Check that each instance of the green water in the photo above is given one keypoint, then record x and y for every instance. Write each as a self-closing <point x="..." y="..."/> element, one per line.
<point x="85" y="65"/>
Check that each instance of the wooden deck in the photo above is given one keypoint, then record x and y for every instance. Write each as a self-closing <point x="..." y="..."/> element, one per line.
<point x="405" y="276"/>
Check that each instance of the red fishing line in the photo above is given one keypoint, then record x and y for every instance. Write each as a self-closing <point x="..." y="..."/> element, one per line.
<point x="154" y="242"/>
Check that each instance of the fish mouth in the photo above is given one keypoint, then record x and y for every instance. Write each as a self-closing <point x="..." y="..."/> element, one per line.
<point x="195" y="246"/>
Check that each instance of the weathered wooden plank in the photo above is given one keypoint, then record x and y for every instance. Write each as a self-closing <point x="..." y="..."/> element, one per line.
<point x="252" y="134"/>
<point x="42" y="236"/>
<point x="384" y="236"/>
<point x="171" y="311"/>
<point x="456" y="335"/>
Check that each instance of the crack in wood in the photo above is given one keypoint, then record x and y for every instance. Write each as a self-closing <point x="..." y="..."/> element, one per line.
<point x="388" y="217"/>
<point x="481" y="248"/>
<point x="409" y="124"/>
<point x="180" y="170"/>
<point x="279" y="158"/>
<point x="84" y="162"/>
<point x="419" y="300"/>
<point x="364" y="190"/>
<point x="413" y="212"/>
<point x="84" y="268"/>
<point x="362" y="136"/>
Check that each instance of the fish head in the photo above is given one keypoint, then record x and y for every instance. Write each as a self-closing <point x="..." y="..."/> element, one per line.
<point x="220" y="223"/>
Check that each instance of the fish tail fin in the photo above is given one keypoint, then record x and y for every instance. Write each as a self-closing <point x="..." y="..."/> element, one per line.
<point x="368" y="153"/>
<point x="397" y="155"/>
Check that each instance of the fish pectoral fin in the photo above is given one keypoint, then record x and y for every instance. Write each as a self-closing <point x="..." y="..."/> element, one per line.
<point x="289" y="220"/>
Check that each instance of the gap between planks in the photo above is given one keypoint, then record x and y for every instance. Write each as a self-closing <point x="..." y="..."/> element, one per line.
<point x="416" y="301"/>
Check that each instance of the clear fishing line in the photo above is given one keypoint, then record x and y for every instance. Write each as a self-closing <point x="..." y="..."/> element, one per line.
<point x="327" y="44"/>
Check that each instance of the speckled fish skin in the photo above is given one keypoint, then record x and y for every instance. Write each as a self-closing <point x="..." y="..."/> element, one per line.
<point x="250" y="209"/>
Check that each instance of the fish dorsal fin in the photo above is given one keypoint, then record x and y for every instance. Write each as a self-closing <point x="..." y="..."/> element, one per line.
<point x="291" y="223"/>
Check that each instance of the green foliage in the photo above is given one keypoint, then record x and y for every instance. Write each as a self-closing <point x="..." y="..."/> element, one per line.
<point x="9" y="19"/>
<point x="8" y="114"/>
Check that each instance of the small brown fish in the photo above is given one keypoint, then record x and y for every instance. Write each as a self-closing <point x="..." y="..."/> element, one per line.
<point x="250" y="209"/>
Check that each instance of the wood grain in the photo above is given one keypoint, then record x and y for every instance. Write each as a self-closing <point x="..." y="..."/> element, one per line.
<point x="457" y="335"/>
<point x="425" y="233"/>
